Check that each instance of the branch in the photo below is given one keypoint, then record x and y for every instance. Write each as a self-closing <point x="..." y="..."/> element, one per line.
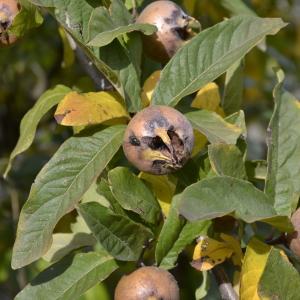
<point x="225" y="287"/>
<point x="101" y="83"/>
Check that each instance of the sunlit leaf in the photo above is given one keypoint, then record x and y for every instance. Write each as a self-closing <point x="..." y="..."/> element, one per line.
<point x="208" y="97"/>
<point x="209" y="252"/>
<point x="91" y="108"/>
<point x="132" y="194"/>
<point x="148" y="87"/>
<point x="163" y="189"/>
<point x="280" y="280"/>
<point x="283" y="177"/>
<point x="106" y="37"/>
<point x="70" y="277"/>
<point x="227" y="160"/>
<point x="210" y="54"/>
<point x="58" y="187"/>
<point x="219" y="196"/>
<point x="64" y="243"/>
<point x="69" y="55"/>
<point x="30" y="121"/>
<point x="215" y="128"/>
<point x="254" y="263"/>
<point x="117" y="234"/>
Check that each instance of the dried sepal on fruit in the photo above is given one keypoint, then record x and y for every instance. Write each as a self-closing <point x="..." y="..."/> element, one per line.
<point x="8" y="10"/>
<point x="147" y="283"/>
<point x="158" y="140"/>
<point x="174" y="28"/>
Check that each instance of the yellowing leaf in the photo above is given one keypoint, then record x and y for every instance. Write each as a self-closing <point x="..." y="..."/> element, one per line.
<point x="163" y="189"/>
<point x="90" y="108"/>
<point x="254" y="263"/>
<point x="148" y="88"/>
<point x="209" y="98"/>
<point x="237" y="255"/>
<point x="200" y="141"/>
<point x="209" y="252"/>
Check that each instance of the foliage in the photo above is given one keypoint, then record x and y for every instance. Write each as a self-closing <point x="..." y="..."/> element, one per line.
<point x="93" y="217"/>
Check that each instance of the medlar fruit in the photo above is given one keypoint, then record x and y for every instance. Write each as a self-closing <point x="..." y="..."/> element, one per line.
<point x="8" y="11"/>
<point x="294" y="238"/>
<point x="147" y="283"/>
<point x="173" y="29"/>
<point x="158" y="140"/>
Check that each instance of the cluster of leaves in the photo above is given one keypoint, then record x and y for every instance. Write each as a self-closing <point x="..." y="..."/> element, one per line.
<point x="159" y="216"/>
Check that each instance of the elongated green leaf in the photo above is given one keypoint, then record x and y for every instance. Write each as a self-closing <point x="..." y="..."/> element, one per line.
<point x="104" y="38"/>
<point x="210" y="54"/>
<point x="219" y="196"/>
<point x="64" y="243"/>
<point x="283" y="176"/>
<point x="237" y="7"/>
<point x="280" y="280"/>
<point x="58" y="187"/>
<point x="216" y="129"/>
<point x="169" y="232"/>
<point x="188" y="234"/>
<point x="234" y="87"/>
<point x="119" y="235"/>
<point x="30" y="121"/>
<point x="227" y="160"/>
<point x="70" y="278"/>
<point x="133" y="194"/>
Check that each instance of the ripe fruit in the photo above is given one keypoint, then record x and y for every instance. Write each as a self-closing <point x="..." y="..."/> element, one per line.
<point x="147" y="283"/>
<point x="173" y="29"/>
<point x="8" y="11"/>
<point x="294" y="238"/>
<point x="158" y="140"/>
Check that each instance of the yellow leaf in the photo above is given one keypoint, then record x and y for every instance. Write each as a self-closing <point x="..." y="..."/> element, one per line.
<point x="90" y="108"/>
<point x="209" y="252"/>
<point x="200" y="141"/>
<point x="209" y="98"/>
<point x="254" y="263"/>
<point x="235" y="245"/>
<point x="148" y="88"/>
<point x="163" y="189"/>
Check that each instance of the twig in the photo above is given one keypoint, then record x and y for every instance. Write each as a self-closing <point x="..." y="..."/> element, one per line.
<point x="101" y="83"/>
<point x="225" y="287"/>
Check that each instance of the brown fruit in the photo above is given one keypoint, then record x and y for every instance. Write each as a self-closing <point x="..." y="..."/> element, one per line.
<point x="8" y="11"/>
<point x="158" y="140"/>
<point x="173" y="29"/>
<point x="294" y="238"/>
<point x="147" y="283"/>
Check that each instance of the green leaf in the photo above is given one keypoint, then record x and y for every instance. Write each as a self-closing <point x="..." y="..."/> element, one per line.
<point x="219" y="196"/>
<point x="133" y="194"/>
<point x="237" y="7"/>
<point x="30" y="121"/>
<point x="83" y="22"/>
<point x="188" y="234"/>
<point x="216" y="129"/>
<point x="70" y="278"/>
<point x="64" y="243"/>
<point x="29" y="17"/>
<point x="283" y="176"/>
<point x="210" y="54"/>
<point x="104" y="38"/>
<point x="58" y="187"/>
<point x="169" y="232"/>
<point x="234" y="87"/>
<point x="280" y="280"/>
<point x="227" y="160"/>
<point x="117" y="234"/>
